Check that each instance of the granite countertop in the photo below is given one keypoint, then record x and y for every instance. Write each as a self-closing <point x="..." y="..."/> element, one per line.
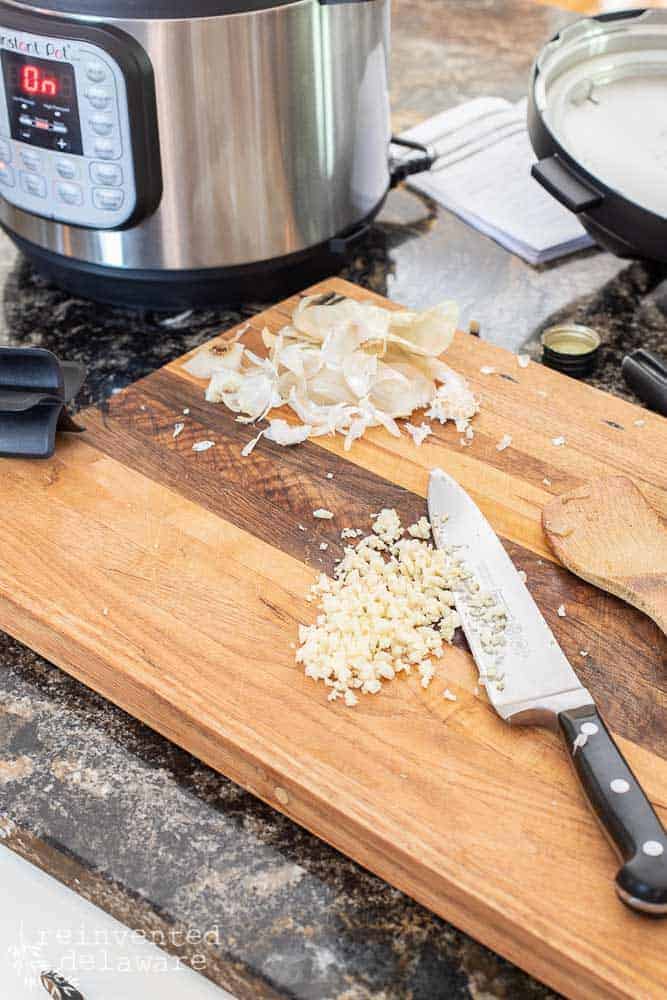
<point x="140" y="827"/>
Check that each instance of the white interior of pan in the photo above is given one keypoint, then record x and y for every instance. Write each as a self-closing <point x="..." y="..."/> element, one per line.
<point x="605" y="101"/>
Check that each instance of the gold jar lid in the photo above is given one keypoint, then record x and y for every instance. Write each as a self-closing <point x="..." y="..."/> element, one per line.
<point x="570" y="339"/>
<point x="571" y="348"/>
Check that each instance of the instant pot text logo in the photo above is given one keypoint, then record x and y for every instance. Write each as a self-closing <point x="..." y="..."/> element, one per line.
<point x="35" y="47"/>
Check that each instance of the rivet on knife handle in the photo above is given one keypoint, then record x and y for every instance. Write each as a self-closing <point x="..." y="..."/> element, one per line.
<point x="622" y="808"/>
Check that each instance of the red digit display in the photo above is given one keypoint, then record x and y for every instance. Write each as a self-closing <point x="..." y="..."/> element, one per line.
<point x="41" y="101"/>
<point x="34" y="81"/>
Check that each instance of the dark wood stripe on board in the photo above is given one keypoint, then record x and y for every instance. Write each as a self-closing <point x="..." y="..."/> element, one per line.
<point x="273" y="494"/>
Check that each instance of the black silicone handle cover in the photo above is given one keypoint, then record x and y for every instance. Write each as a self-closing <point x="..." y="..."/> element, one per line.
<point x="623" y="809"/>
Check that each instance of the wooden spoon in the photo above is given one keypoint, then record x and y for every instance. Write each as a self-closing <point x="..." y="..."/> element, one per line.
<point x="607" y="533"/>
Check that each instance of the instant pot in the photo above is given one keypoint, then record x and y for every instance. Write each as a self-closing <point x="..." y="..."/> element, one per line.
<point x="170" y="154"/>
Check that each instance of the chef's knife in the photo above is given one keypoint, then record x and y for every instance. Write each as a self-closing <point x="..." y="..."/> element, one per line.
<point x="530" y="682"/>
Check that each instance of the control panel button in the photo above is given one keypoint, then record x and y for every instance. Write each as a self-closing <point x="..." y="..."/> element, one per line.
<point x="33" y="184"/>
<point x="106" y="174"/>
<point x="101" y="124"/>
<point x="67" y="169"/>
<point x="108" y="199"/>
<point x="5" y="151"/>
<point x="70" y="194"/>
<point x="99" y="97"/>
<point x="106" y="149"/>
<point x="7" y="178"/>
<point x="43" y="124"/>
<point x="30" y="159"/>
<point x="96" y="72"/>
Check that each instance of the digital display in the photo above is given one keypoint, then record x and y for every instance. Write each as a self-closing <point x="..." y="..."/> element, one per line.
<point x="36" y="81"/>
<point x="42" y="102"/>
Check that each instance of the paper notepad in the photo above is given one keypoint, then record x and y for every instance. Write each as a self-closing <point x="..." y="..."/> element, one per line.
<point x="482" y="174"/>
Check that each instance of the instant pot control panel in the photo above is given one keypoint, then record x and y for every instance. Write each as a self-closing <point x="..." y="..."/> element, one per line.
<point x="78" y="124"/>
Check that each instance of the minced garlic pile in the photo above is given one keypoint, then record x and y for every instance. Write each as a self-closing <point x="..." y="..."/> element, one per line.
<point x="389" y="609"/>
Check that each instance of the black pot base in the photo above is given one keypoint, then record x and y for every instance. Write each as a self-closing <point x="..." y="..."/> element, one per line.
<point x="171" y="290"/>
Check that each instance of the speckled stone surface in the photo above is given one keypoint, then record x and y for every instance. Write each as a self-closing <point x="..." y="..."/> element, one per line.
<point x="137" y="825"/>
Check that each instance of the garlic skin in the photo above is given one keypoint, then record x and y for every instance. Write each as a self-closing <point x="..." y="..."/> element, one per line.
<point x="341" y="368"/>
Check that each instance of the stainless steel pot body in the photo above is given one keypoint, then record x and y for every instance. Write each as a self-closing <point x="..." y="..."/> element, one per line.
<point x="273" y="128"/>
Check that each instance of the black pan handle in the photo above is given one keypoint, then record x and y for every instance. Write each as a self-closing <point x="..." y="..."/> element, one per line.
<point x="561" y="182"/>
<point x="646" y="374"/>
<point x="622" y="807"/>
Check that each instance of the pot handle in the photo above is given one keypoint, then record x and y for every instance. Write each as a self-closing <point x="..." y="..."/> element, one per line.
<point x="570" y="190"/>
<point x="400" y="170"/>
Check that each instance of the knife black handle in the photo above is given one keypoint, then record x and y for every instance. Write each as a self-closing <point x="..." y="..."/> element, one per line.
<point x="622" y="807"/>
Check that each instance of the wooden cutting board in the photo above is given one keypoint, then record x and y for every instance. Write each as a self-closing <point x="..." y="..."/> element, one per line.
<point x="173" y="582"/>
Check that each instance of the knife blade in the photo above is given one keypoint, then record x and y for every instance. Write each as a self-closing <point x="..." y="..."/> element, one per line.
<point x="529" y="681"/>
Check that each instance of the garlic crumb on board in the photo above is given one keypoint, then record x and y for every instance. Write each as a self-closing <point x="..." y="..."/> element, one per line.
<point x="523" y="360"/>
<point x="322" y="514"/>
<point x="426" y="671"/>
<point x="202" y="445"/>
<point x="422" y="529"/>
<point x="504" y="442"/>
<point x="561" y="612"/>
<point x="487" y="370"/>
<point x="178" y="429"/>
<point x="418" y="434"/>
<point x="559" y="441"/>
<point x="449" y="695"/>
<point x="639" y="423"/>
<point x="252" y="444"/>
<point x="387" y="526"/>
<point x="523" y="576"/>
